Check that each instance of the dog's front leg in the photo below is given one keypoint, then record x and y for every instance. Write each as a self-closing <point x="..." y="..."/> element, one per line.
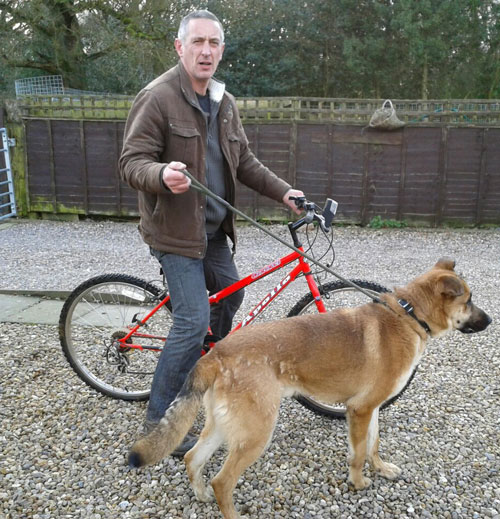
<point x="358" y="422"/>
<point x="387" y="470"/>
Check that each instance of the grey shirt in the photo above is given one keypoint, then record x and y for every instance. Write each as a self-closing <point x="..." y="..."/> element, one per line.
<point x="214" y="164"/>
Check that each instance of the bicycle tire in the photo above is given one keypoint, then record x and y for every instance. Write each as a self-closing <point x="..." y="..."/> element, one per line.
<point x="337" y="294"/>
<point x="97" y="312"/>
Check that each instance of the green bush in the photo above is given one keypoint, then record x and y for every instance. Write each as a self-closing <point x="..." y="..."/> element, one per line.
<point x="378" y="223"/>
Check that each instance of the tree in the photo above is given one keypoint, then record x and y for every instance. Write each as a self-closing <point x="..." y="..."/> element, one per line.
<point x="372" y="53"/>
<point x="320" y="48"/>
<point x="476" y="64"/>
<point x="429" y="32"/>
<point x="69" y="37"/>
<point x="261" y="57"/>
<point x="282" y="47"/>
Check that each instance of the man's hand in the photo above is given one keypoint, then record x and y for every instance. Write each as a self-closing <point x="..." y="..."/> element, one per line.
<point x="291" y="203"/>
<point x="174" y="178"/>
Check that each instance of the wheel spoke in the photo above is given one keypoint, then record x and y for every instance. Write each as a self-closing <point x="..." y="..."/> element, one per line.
<point x="96" y="316"/>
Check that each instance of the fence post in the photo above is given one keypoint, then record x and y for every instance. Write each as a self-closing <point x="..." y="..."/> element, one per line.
<point x="402" y="176"/>
<point x="11" y="119"/>
<point x="292" y="159"/>
<point x="482" y="179"/>
<point x="442" y="170"/>
<point x="365" y="186"/>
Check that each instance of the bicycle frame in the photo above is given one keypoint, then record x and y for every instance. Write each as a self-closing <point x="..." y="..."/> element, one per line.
<point x="301" y="268"/>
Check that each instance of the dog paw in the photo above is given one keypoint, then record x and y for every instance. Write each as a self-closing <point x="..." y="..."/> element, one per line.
<point x="389" y="470"/>
<point x="205" y="494"/>
<point x="360" y="483"/>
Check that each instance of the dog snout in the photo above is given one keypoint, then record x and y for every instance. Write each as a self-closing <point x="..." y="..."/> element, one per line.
<point x="478" y="322"/>
<point x="487" y="319"/>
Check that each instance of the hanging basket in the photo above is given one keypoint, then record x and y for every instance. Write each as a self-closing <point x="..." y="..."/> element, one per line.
<point x="385" y="118"/>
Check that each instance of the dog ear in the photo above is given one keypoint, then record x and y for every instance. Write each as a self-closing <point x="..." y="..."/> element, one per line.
<point x="445" y="263"/>
<point x="450" y="286"/>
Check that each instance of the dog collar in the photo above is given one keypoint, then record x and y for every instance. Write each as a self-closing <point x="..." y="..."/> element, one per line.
<point x="408" y="308"/>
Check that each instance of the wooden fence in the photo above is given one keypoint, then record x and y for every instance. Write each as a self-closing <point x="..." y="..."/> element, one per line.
<point x="277" y="109"/>
<point x="443" y="167"/>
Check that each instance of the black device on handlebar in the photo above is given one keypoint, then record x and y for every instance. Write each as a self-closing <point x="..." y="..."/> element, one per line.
<point x="329" y="212"/>
<point x="324" y="219"/>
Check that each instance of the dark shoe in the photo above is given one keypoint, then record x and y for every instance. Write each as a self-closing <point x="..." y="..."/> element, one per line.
<point x="186" y="445"/>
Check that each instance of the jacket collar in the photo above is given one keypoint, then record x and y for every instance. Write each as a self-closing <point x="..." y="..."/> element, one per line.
<point x="216" y="88"/>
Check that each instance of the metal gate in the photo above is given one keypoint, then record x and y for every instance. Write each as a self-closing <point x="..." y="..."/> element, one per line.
<point x="7" y="198"/>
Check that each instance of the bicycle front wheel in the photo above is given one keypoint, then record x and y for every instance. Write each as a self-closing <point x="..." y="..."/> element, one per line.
<point x="335" y="294"/>
<point x="96" y="315"/>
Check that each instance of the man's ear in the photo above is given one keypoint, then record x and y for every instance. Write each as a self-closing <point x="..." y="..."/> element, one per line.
<point x="178" y="47"/>
<point x="450" y="286"/>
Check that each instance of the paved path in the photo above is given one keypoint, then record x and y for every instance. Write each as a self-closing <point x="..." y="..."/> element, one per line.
<point x="29" y="308"/>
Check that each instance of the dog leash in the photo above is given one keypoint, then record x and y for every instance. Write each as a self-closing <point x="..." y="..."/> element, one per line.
<point x="405" y="305"/>
<point x="198" y="186"/>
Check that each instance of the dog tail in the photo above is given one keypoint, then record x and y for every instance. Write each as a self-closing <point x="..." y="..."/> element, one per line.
<point x="178" y="418"/>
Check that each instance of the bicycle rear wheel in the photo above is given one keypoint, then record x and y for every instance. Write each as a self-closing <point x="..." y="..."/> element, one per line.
<point x="335" y="294"/>
<point x="98" y="313"/>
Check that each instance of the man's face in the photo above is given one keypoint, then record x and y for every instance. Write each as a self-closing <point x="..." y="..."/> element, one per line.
<point x="201" y="51"/>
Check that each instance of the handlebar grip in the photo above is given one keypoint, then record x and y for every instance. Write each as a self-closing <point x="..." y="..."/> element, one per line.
<point x="299" y="200"/>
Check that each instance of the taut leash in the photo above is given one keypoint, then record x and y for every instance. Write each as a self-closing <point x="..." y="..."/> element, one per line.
<point x="195" y="184"/>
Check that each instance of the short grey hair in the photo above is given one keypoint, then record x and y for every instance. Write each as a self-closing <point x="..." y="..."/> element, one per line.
<point x="203" y="14"/>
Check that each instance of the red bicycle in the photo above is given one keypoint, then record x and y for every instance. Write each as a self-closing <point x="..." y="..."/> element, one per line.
<point x="112" y="327"/>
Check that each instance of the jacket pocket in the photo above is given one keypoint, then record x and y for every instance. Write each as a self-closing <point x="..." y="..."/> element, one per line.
<point x="234" y="143"/>
<point x="149" y="201"/>
<point x="184" y="144"/>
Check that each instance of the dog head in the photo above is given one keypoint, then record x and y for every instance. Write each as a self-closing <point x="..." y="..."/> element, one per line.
<point x="462" y="314"/>
<point x="442" y="301"/>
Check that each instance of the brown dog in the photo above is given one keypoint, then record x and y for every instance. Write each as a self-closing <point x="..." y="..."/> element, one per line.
<point x="360" y="356"/>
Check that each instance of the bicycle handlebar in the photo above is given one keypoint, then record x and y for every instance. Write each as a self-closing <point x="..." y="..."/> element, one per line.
<point x="328" y="214"/>
<point x="324" y="218"/>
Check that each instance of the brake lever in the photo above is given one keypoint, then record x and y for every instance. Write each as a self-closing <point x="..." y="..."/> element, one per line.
<point x="321" y="220"/>
<point x="300" y="201"/>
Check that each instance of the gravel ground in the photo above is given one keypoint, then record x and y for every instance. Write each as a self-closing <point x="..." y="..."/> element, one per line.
<point x="63" y="446"/>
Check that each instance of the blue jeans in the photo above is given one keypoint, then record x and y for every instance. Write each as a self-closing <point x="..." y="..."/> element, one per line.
<point x="188" y="280"/>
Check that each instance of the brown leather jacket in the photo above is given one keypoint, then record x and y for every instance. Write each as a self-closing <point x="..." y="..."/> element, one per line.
<point x="164" y="125"/>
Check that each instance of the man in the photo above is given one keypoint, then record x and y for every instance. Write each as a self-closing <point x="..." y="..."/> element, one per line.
<point x="185" y="119"/>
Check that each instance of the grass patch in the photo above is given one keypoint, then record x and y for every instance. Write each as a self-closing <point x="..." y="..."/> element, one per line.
<point x="377" y="222"/>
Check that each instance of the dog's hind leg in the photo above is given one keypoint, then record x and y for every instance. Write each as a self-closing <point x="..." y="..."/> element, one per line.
<point x="387" y="470"/>
<point x="224" y="482"/>
<point x="359" y="424"/>
<point x="211" y="438"/>
<point x="248" y="435"/>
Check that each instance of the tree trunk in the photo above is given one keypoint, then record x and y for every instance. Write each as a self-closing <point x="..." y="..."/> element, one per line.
<point x="69" y="49"/>
<point x="425" y="79"/>
<point x="494" y="90"/>
<point x="326" y="71"/>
